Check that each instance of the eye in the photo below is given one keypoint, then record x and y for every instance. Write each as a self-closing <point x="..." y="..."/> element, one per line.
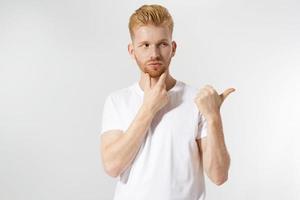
<point x="164" y="44"/>
<point x="146" y="45"/>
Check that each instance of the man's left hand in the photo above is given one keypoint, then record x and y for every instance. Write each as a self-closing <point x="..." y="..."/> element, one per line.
<point x="209" y="101"/>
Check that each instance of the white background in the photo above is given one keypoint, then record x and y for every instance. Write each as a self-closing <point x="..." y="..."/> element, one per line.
<point x="59" y="60"/>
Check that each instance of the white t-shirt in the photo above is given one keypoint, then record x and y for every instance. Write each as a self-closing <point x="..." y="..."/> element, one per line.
<point x="167" y="166"/>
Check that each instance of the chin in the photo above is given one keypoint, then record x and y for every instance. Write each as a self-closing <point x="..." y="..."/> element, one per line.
<point x="155" y="73"/>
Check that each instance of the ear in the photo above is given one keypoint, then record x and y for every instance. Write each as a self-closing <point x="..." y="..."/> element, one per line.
<point x="131" y="50"/>
<point x="174" y="46"/>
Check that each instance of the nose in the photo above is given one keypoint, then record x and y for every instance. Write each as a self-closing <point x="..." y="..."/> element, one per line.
<point x="155" y="53"/>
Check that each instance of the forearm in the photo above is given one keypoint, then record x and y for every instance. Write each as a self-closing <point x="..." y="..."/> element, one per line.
<point x="122" y="152"/>
<point x="216" y="156"/>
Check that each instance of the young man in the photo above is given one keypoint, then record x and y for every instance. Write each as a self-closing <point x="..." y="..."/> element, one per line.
<point x="160" y="134"/>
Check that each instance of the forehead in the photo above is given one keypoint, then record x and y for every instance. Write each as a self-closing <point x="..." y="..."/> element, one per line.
<point x="151" y="33"/>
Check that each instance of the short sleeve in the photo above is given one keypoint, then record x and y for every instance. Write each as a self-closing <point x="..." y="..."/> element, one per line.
<point x="110" y="116"/>
<point x="202" y="127"/>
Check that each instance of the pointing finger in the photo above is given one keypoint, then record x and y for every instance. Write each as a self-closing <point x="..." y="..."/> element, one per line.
<point x="162" y="78"/>
<point x="147" y="81"/>
<point x="226" y="93"/>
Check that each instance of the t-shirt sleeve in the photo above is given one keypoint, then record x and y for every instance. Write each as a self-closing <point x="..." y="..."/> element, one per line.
<point x="202" y="127"/>
<point x="110" y="116"/>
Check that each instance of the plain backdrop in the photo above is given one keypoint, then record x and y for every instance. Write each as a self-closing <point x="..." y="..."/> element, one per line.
<point x="60" y="59"/>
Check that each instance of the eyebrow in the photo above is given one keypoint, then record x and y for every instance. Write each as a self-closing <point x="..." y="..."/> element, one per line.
<point x="162" y="40"/>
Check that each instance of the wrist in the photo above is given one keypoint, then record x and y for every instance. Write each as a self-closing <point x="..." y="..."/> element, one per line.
<point x="215" y="117"/>
<point x="146" y="109"/>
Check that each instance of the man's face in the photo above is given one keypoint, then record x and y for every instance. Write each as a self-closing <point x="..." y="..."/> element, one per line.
<point x="153" y="49"/>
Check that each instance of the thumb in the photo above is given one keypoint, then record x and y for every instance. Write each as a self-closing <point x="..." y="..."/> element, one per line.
<point x="147" y="81"/>
<point x="226" y="93"/>
<point x="162" y="78"/>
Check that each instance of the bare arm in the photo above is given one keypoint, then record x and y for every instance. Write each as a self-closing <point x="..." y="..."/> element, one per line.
<point x="213" y="150"/>
<point x="119" y="149"/>
<point x="215" y="157"/>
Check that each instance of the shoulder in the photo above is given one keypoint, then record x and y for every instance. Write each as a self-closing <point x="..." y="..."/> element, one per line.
<point x="189" y="89"/>
<point x="119" y="94"/>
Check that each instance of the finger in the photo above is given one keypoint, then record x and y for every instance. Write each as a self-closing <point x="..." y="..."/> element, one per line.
<point x="164" y="86"/>
<point x="147" y="81"/>
<point x="162" y="78"/>
<point x="210" y="88"/>
<point x="226" y="93"/>
<point x="203" y="90"/>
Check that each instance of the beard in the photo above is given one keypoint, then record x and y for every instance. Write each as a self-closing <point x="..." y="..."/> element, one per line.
<point x="153" y="71"/>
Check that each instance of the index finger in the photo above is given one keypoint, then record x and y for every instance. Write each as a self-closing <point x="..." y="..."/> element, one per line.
<point x="162" y="78"/>
<point x="147" y="81"/>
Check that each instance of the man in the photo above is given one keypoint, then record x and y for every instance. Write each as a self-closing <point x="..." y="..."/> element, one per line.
<point x="159" y="134"/>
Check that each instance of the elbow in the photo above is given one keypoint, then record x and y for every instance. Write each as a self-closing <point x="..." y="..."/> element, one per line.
<point x="111" y="169"/>
<point x="220" y="180"/>
<point x="218" y="177"/>
<point x="110" y="165"/>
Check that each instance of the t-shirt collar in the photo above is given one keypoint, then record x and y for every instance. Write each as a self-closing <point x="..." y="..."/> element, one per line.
<point x="138" y="89"/>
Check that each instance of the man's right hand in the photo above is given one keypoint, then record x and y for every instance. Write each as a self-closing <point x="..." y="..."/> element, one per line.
<point x="155" y="97"/>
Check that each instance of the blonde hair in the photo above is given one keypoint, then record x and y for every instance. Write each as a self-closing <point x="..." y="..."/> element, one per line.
<point x="150" y="14"/>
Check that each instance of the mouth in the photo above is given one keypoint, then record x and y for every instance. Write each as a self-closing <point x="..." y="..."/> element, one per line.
<point x="155" y="64"/>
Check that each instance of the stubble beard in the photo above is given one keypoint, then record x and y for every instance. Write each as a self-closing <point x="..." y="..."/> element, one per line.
<point x="153" y="72"/>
